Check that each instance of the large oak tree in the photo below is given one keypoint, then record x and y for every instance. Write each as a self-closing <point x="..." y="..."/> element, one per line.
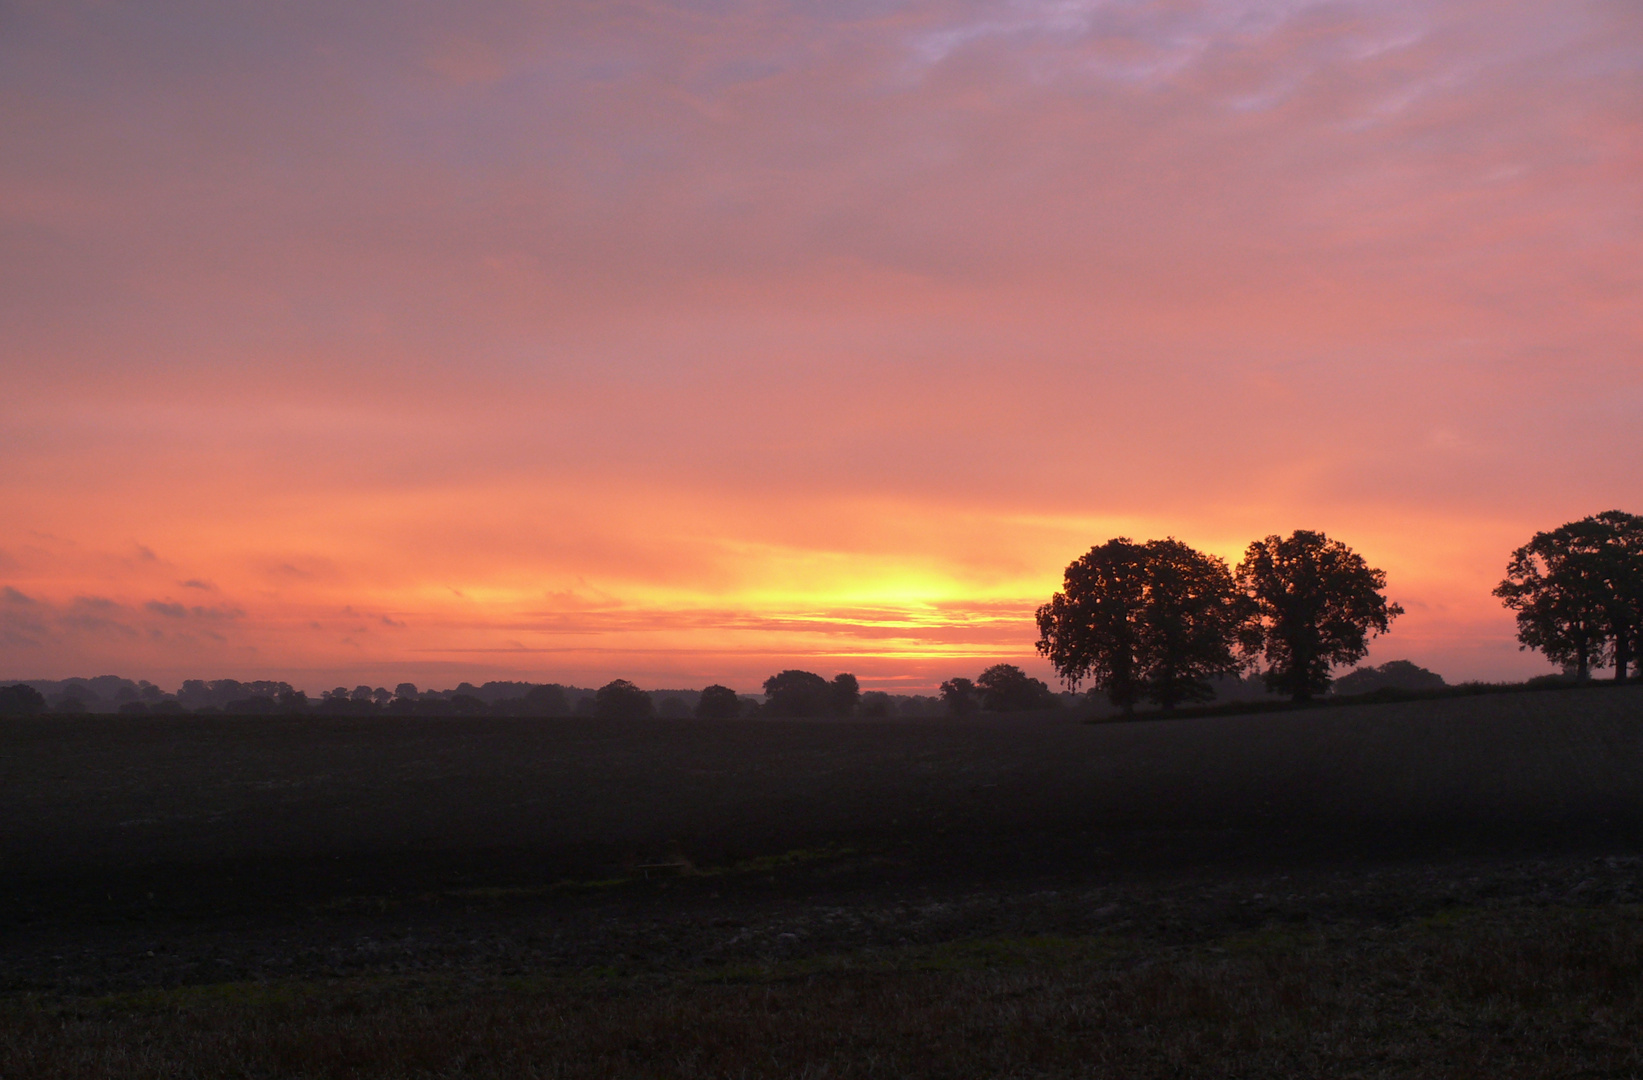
<point x="1317" y="604"/>
<point x="1152" y="621"/>
<point x="1578" y="592"/>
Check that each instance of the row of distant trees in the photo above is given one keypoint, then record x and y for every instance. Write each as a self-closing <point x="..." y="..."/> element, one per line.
<point x="1578" y="593"/>
<point x="791" y="693"/>
<point x="1000" y="688"/>
<point x="1157" y="621"/>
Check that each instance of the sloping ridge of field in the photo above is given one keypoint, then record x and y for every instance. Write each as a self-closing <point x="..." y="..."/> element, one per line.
<point x="311" y="807"/>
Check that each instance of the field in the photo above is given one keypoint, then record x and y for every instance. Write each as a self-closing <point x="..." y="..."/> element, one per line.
<point x="1444" y="887"/>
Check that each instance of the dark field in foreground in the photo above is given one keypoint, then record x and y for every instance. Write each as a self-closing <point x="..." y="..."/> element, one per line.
<point x="1461" y="994"/>
<point x="1430" y="888"/>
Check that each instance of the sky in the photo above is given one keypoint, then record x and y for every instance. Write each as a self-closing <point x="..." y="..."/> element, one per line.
<point x="689" y="342"/>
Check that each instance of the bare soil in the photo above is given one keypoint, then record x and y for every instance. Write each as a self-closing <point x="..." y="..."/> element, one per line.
<point x="483" y="868"/>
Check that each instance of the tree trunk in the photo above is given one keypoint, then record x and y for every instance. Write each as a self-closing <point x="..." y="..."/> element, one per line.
<point x="1622" y="655"/>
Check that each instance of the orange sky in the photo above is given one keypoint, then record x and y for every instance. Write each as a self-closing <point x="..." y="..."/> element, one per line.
<point x="689" y="342"/>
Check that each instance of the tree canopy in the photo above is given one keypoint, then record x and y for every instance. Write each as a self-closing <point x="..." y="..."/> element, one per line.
<point x="804" y="693"/>
<point x="1316" y="604"/>
<point x="1392" y="675"/>
<point x="1578" y="592"/>
<point x="621" y="700"/>
<point x="958" y="695"/>
<point x="20" y="700"/>
<point x="718" y="703"/>
<point x="1006" y="688"/>
<point x="1151" y="621"/>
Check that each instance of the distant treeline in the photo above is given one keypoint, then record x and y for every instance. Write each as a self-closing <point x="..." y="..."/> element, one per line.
<point x="112" y="694"/>
<point x="1001" y="688"/>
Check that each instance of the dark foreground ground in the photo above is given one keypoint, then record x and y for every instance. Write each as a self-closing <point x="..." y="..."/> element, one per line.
<point x="1439" y="888"/>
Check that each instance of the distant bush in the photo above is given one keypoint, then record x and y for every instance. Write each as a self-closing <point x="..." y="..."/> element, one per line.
<point x="1552" y="682"/>
<point x="1394" y="674"/>
<point x="621" y="700"/>
<point x="20" y="700"/>
<point x="718" y="703"/>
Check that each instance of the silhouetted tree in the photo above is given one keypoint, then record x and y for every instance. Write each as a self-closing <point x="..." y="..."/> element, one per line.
<point x="795" y="693"/>
<point x="1318" y="603"/>
<point x="1623" y="557"/>
<point x="718" y="703"/>
<point x="1194" y="622"/>
<point x="959" y="696"/>
<point x="1555" y="585"/>
<point x="1006" y="688"/>
<point x="1092" y="628"/>
<point x="21" y="700"/>
<point x="621" y="700"/>
<point x="804" y="693"/>
<point x="1151" y="621"/>
<point x="196" y="693"/>
<point x="549" y="700"/>
<point x="1578" y="592"/>
<point x="846" y="692"/>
